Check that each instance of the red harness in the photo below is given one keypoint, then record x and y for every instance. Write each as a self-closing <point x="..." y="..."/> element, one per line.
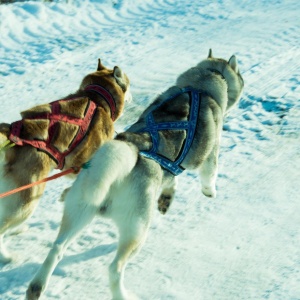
<point x="106" y="95"/>
<point x="56" y="116"/>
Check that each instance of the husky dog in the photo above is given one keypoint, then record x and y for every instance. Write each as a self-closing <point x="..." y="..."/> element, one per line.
<point x="180" y="130"/>
<point x="62" y="134"/>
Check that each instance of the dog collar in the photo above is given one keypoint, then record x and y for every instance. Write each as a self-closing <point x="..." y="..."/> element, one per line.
<point x="104" y="93"/>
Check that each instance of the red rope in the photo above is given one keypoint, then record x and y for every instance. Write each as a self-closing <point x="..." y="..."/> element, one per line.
<point x="74" y="170"/>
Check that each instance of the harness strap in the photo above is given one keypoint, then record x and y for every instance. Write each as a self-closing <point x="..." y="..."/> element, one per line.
<point x="55" y="116"/>
<point x="106" y="95"/>
<point x="74" y="170"/>
<point x="190" y="126"/>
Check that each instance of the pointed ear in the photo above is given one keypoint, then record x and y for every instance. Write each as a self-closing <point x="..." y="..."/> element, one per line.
<point x="210" y="54"/>
<point x="120" y="78"/>
<point x="100" y="66"/>
<point x="233" y="63"/>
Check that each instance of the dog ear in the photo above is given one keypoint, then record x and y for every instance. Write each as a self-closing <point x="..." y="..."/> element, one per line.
<point x="233" y="63"/>
<point x="119" y="76"/>
<point x="100" y="66"/>
<point x="210" y="53"/>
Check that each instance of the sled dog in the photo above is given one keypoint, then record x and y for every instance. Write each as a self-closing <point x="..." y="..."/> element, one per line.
<point x="180" y="130"/>
<point x="62" y="134"/>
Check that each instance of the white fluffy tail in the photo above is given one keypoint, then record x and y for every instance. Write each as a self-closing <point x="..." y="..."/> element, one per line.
<point x="112" y="162"/>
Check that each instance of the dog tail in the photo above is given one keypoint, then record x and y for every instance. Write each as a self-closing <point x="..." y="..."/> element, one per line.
<point x="111" y="163"/>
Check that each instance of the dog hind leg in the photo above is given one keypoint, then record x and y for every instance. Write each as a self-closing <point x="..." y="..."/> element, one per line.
<point x="126" y="249"/>
<point x="5" y="257"/>
<point x="132" y="211"/>
<point x="73" y="222"/>
<point x="114" y="160"/>
<point x="167" y="195"/>
<point x="12" y="215"/>
<point x="131" y="239"/>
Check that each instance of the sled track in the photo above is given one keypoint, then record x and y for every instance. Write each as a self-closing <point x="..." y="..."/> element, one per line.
<point x="141" y="26"/>
<point x="45" y="56"/>
<point x="269" y="96"/>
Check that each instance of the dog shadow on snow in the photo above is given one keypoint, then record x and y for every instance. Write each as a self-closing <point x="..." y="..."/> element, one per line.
<point x="21" y="275"/>
<point x="95" y="252"/>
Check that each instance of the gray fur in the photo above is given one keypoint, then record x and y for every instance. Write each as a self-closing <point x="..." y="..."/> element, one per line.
<point x="124" y="186"/>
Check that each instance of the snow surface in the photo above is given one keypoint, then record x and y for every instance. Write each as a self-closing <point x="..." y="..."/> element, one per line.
<point x="242" y="245"/>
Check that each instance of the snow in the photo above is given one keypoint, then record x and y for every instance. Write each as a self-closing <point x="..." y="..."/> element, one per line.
<point x="242" y="245"/>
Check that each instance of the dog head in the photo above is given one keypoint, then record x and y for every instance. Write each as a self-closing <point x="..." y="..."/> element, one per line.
<point x="217" y="76"/>
<point x="230" y="70"/>
<point x="114" y="80"/>
<point x="232" y="75"/>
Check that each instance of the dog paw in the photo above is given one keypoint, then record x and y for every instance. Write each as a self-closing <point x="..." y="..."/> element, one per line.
<point x="34" y="291"/>
<point x="127" y="295"/>
<point x="209" y="192"/>
<point x="164" y="202"/>
<point x="130" y="296"/>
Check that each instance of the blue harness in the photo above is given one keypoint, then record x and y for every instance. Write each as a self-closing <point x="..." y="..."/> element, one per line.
<point x="190" y="126"/>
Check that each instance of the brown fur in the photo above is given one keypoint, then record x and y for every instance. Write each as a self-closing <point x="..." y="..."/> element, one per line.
<point x="25" y="164"/>
<point x="122" y="185"/>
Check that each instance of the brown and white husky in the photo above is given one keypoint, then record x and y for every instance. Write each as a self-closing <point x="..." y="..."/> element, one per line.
<point x="61" y="134"/>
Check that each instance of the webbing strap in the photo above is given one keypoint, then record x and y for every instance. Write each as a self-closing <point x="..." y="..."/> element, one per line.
<point x="106" y="95"/>
<point x="54" y="117"/>
<point x="190" y="126"/>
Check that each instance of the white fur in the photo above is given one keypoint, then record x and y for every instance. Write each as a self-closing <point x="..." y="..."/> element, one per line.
<point x="123" y="186"/>
<point x="6" y="209"/>
<point x="16" y="208"/>
<point x="112" y="187"/>
<point x="128" y="95"/>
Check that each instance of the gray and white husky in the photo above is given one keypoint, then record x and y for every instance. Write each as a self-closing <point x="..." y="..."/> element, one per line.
<point x="180" y="130"/>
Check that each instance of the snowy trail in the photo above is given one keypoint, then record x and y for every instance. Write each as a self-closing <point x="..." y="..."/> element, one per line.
<point x="242" y="245"/>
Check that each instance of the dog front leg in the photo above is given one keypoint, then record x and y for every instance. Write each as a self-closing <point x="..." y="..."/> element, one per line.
<point x="209" y="173"/>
